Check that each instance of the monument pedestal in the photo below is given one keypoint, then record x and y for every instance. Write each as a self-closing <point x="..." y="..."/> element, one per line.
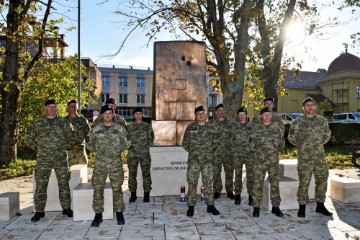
<point x="168" y="172"/>
<point x="9" y="205"/>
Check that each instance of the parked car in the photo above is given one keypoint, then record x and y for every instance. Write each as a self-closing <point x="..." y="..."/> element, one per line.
<point x="290" y="117"/>
<point x="346" y="117"/>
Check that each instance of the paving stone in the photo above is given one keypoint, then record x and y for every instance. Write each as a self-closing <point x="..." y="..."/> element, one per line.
<point x="155" y="232"/>
<point x="108" y="230"/>
<point x="181" y="231"/>
<point x="171" y="218"/>
<point x="139" y="218"/>
<point x="214" y="231"/>
<point x="141" y="208"/>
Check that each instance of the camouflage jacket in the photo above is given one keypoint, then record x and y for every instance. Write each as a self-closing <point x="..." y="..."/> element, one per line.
<point x="276" y="119"/>
<point x="225" y="133"/>
<point x="241" y="137"/>
<point x="141" y="136"/>
<point x="107" y="142"/>
<point x="266" y="139"/>
<point x="309" y="135"/>
<point x="81" y="126"/>
<point x="116" y="119"/>
<point x="200" y="142"/>
<point x="48" y="135"/>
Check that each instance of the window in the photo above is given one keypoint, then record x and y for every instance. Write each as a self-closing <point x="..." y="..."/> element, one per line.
<point x="104" y="96"/>
<point x="140" y="99"/>
<point x="123" y="82"/>
<point x="105" y="84"/>
<point x="212" y="100"/>
<point x="123" y="98"/>
<point x="358" y="91"/>
<point x="140" y="82"/>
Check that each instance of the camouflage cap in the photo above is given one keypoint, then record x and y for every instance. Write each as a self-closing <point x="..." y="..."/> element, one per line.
<point x="308" y="99"/>
<point x="264" y="110"/>
<point x="271" y="99"/>
<point x="71" y="101"/>
<point x="242" y="109"/>
<point x="110" y="100"/>
<point x="105" y="108"/>
<point x="221" y="105"/>
<point x="138" y="109"/>
<point x="50" y="101"/>
<point x="199" y="109"/>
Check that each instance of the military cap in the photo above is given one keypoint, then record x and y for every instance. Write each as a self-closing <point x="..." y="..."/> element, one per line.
<point x="105" y="108"/>
<point x="264" y="110"/>
<point x="242" y="109"/>
<point x="138" y="109"/>
<point x="271" y="99"/>
<point x="71" y="101"/>
<point x="50" y="101"/>
<point x="199" y="109"/>
<point x="221" y="105"/>
<point x="110" y="100"/>
<point x="308" y="99"/>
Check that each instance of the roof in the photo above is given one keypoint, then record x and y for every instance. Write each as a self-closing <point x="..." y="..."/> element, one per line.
<point x="124" y="71"/>
<point x="303" y="80"/>
<point x="344" y="62"/>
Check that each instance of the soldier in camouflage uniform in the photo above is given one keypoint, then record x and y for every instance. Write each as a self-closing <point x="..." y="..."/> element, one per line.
<point x="276" y="118"/>
<point x="117" y="119"/>
<point x="243" y="155"/>
<point x="77" y="154"/>
<point x="50" y="136"/>
<point x="266" y="141"/>
<point x="141" y="136"/>
<point x="309" y="133"/>
<point x="107" y="140"/>
<point x="223" y="153"/>
<point x="199" y="141"/>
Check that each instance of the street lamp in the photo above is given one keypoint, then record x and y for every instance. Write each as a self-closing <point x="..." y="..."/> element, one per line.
<point x="79" y="60"/>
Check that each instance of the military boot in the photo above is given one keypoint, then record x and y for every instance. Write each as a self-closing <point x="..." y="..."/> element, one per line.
<point x="190" y="211"/>
<point x="146" y="197"/>
<point x="133" y="197"/>
<point x="250" y="201"/>
<point x="211" y="209"/>
<point x="320" y="208"/>
<point x="120" y="218"/>
<point x="237" y="199"/>
<point x="277" y="211"/>
<point x="97" y="220"/>
<point x="230" y="195"/>
<point x="301" y="212"/>
<point x="256" y="212"/>
<point x="216" y="195"/>
<point x="37" y="216"/>
<point x="67" y="212"/>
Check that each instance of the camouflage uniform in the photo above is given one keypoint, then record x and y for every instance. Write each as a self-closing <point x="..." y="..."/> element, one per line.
<point x="266" y="142"/>
<point x="243" y="155"/>
<point x="224" y="156"/>
<point x="276" y="119"/>
<point x="107" y="142"/>
<point x="50" y="138"/>
<point x="199" y="141"/>
<point x="116" y="119"/>
<point x="141" y="136"/>
<point x="309" y="135"/>
<point x="77" y="154"/>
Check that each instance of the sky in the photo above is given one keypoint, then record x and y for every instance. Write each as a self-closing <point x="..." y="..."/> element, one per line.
<point x="101" y="34"/>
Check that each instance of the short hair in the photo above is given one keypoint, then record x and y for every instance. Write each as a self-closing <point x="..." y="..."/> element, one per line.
<point x="271" y="99"/>
<point x="308" y="99"/>
<point x="71" y="101"/>
<point x="110" y="100"/>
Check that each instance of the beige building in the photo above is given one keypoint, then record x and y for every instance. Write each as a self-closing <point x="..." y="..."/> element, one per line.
<point x="129" y="87"/>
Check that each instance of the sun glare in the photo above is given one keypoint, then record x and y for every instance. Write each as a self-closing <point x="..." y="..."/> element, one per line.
<point x="295" y="32"/>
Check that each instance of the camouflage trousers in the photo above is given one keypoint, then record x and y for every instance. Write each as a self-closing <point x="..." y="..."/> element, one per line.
<point x="77" y="155"/>
<point x="145" y="165"/>
<point x="116" y="176"/>
<point x="307" y="167"/>
<point x="192" y="176"/>
<point x="227" y="162"/>
<point x="43" y="169"/>
<point x="272" y="167"/>
<point x="239" y="161"/>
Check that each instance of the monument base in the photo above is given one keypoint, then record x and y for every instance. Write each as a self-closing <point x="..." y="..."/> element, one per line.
<point x="168" y="172"/>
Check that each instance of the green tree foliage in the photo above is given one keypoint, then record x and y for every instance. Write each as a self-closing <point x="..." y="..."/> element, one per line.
<point x="245" y="39"/>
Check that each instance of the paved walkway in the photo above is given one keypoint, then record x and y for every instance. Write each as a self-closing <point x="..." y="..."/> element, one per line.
<point x="165" y="218"/>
